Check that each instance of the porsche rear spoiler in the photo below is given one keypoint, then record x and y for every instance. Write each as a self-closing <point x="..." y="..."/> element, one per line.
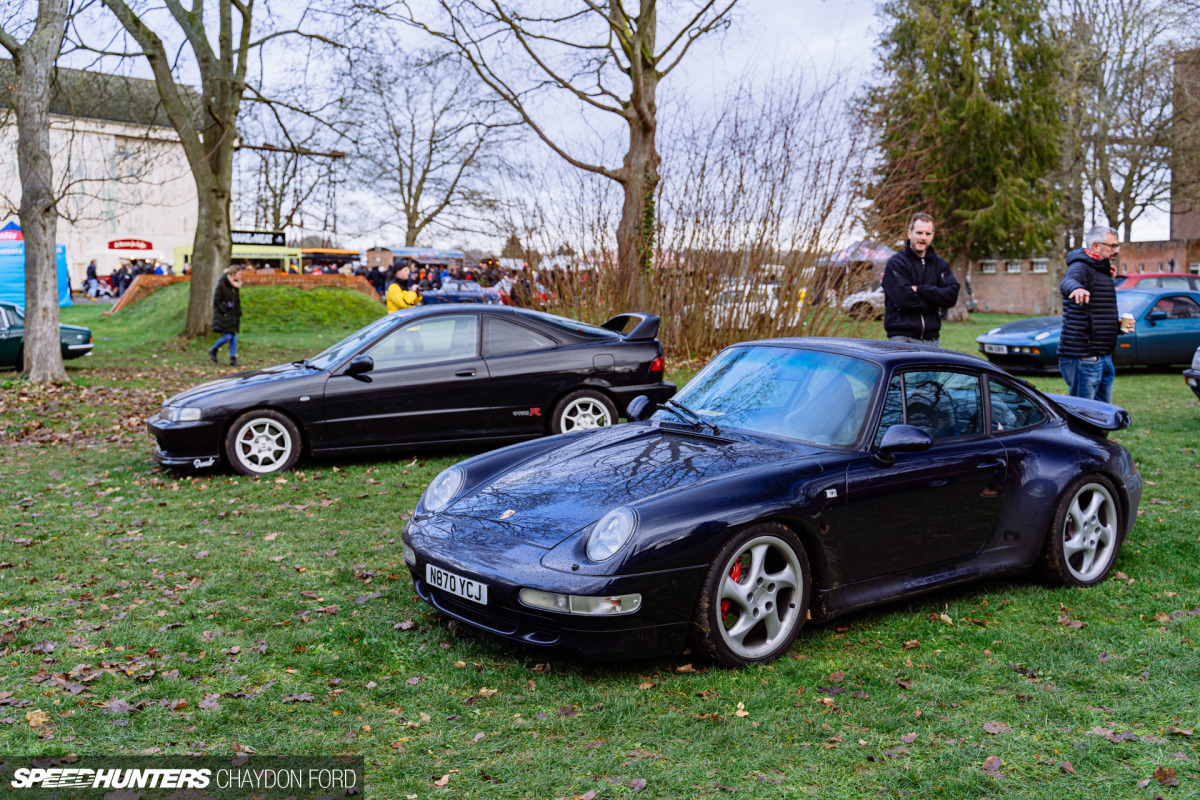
<point x="1102" y="416"/>
<point x="646" y="327"/>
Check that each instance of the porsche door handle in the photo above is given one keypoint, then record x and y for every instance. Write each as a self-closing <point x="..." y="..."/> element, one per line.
<point x="465" y="373"/>
<point x="996" y="464"/>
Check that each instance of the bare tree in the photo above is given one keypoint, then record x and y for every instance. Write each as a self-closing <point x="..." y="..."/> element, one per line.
<point x="755" y="196"/>
<point x="426" y="140"/>
<point x="1123" y="110"/>
<point x="220" y="42"/>
<point x="287" y="169"/>
<point x="603" y="57"/>
<point x="34" y="61"/>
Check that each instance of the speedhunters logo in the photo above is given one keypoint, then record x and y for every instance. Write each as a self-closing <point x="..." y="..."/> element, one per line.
<point x="76" y="778"/>
<point x="240" y="776"/>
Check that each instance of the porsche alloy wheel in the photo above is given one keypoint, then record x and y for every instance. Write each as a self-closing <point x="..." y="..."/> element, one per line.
<point x="582" y="410"/>
<point x="262" y="442"/>
<point x="1082" y="545"/>
<point x="755" y="598"/>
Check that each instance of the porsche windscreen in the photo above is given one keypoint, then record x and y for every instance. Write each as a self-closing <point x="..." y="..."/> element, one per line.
<point x="814" y="397"/>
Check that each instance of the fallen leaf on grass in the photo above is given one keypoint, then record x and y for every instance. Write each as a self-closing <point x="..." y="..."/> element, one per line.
<point x="43" y="647"/>
<point x="685" y="669"/>
<point x="912" y="644"/>
<point x="993" y="727"/>
<point x="637" y="784"/>
<point x="1179" y="731"/>
<point x="302" y="697"/>
<point x="442" y="781"/>
<point x="741" y="711"/>
<point x="1067" y="768"/>
<point x="908" y="738"/>
<point x="405" y="625"/>
<point x="37" y="719"/>
<point x="1166" y="776"/>
<point x="646" y="685"/>
<point x="992" y="765"/>
<point x="1073" y="624"/>
<point x="486" y="692"/>
<point x="1162" y="616"/>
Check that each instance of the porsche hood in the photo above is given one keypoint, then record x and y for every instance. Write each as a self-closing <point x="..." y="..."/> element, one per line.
<point x="547" y="498"/>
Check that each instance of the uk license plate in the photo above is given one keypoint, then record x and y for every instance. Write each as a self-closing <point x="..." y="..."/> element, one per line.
<point x="999" y="349"/>
<point x="456" y="585"/>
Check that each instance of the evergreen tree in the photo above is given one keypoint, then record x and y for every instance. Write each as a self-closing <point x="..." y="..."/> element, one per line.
<point x="969" y="126"/>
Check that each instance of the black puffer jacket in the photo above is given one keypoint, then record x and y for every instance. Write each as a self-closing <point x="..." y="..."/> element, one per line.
<point x="227" y="307"/>
<point x="916" y="314"/>
<point x="1089" y="329"/>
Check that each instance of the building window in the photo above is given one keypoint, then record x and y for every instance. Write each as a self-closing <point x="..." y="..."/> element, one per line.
<point x="1040" y="266"/>
<point x="1012" y="267"/>
<point x="988" y="267"/>
<point x="1194" y="267"/>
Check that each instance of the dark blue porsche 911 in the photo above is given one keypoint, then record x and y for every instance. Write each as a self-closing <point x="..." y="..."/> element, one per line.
<point x="790" y="479"/>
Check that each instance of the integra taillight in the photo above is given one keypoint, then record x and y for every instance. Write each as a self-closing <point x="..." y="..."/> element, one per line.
<point x="657" y="365"/>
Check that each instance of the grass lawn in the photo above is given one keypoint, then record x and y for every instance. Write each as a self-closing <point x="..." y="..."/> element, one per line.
<point x="143" y="611"/>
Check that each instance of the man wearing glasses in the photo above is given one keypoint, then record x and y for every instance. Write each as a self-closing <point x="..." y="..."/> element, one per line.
<point x="1090" y="322"/>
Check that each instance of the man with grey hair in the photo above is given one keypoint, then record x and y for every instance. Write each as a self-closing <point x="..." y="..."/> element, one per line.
<point x="1090" y="324"/>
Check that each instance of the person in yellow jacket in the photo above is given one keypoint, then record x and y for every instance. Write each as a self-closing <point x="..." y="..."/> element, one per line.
<point x="399" y="297"/>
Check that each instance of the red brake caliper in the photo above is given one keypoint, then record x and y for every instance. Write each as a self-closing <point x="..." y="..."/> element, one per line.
<point x="736" y="574"/>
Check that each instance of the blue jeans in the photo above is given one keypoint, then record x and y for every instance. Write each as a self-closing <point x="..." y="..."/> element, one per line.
<point x="231" y="338"/>
<point x="1090" y="377"/>
<point x="933" y="342"/>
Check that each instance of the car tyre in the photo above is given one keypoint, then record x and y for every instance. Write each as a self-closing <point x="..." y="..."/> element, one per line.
<point x="754" y="600"/>
<point x="1081" y="546"/>
<point x="581" y="410"/>
<point x="262" y="442"/>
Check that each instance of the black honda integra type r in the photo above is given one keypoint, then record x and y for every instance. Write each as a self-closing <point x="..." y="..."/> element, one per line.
<point x="446" y="375"/>
<point x="791" y="479"/>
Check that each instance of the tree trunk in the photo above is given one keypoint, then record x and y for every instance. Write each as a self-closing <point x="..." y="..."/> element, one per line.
<point x="639" y="173"/>
<point x="34" y="62"/>
<point x="211" y="254"/>
<point x="958" y="311"/>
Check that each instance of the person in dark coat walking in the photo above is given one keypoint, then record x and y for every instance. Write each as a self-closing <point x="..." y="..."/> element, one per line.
<point x="917" y="285"/>
<point x="227" y="314"/>
<point x="1090" y="325"/>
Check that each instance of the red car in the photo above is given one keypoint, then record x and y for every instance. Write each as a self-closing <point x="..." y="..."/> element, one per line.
<point x="1158" y="280"/>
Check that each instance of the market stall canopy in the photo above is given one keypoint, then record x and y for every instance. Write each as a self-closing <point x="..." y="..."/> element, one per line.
<point x="12" y="267"/>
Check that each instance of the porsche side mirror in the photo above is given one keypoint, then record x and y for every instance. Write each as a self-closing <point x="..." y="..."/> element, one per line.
<point x="903" y="439"/>
<point x="360" y="364"/>
<point x="640" y="408"/>
<point x="1156" y="317"/>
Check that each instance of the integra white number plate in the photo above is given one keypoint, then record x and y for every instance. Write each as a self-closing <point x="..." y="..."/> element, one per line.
<point x="995" y="348"/>
<point x="456" y="585"/>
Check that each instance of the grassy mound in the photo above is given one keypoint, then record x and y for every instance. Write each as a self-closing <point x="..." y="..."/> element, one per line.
<point x="265" y="309"/>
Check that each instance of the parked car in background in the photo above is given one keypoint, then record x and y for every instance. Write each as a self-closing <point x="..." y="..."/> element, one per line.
<point x="1166" y="331"/>
<point x="754" y="305"/>
<point x="1192" y="374"/>
<point x="1158" y="280"/>
<point x="865" y="304"/>
<point x="76" y="340"/>
<point x="422" y="377"/>
<point x="453" y="291"/>
<point x="793" y="479"/>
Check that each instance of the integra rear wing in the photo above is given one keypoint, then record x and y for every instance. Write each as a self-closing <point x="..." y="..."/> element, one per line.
<point x="1093" y="413"/>
<point x="645" y="327"/>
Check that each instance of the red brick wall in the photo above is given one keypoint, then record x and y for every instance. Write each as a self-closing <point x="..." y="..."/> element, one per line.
<point x="1024" y="292"/>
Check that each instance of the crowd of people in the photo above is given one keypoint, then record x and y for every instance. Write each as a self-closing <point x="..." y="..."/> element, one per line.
<point x="122" y="277"/>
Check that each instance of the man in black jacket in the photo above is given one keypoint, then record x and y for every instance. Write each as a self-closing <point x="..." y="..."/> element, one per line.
<point x="917" y="284"/>
<point x="1090" y="324"/>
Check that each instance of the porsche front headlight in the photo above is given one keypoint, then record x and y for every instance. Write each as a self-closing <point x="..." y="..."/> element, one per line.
<point x="443" y="489"/>
<point x="611" y="533"/>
